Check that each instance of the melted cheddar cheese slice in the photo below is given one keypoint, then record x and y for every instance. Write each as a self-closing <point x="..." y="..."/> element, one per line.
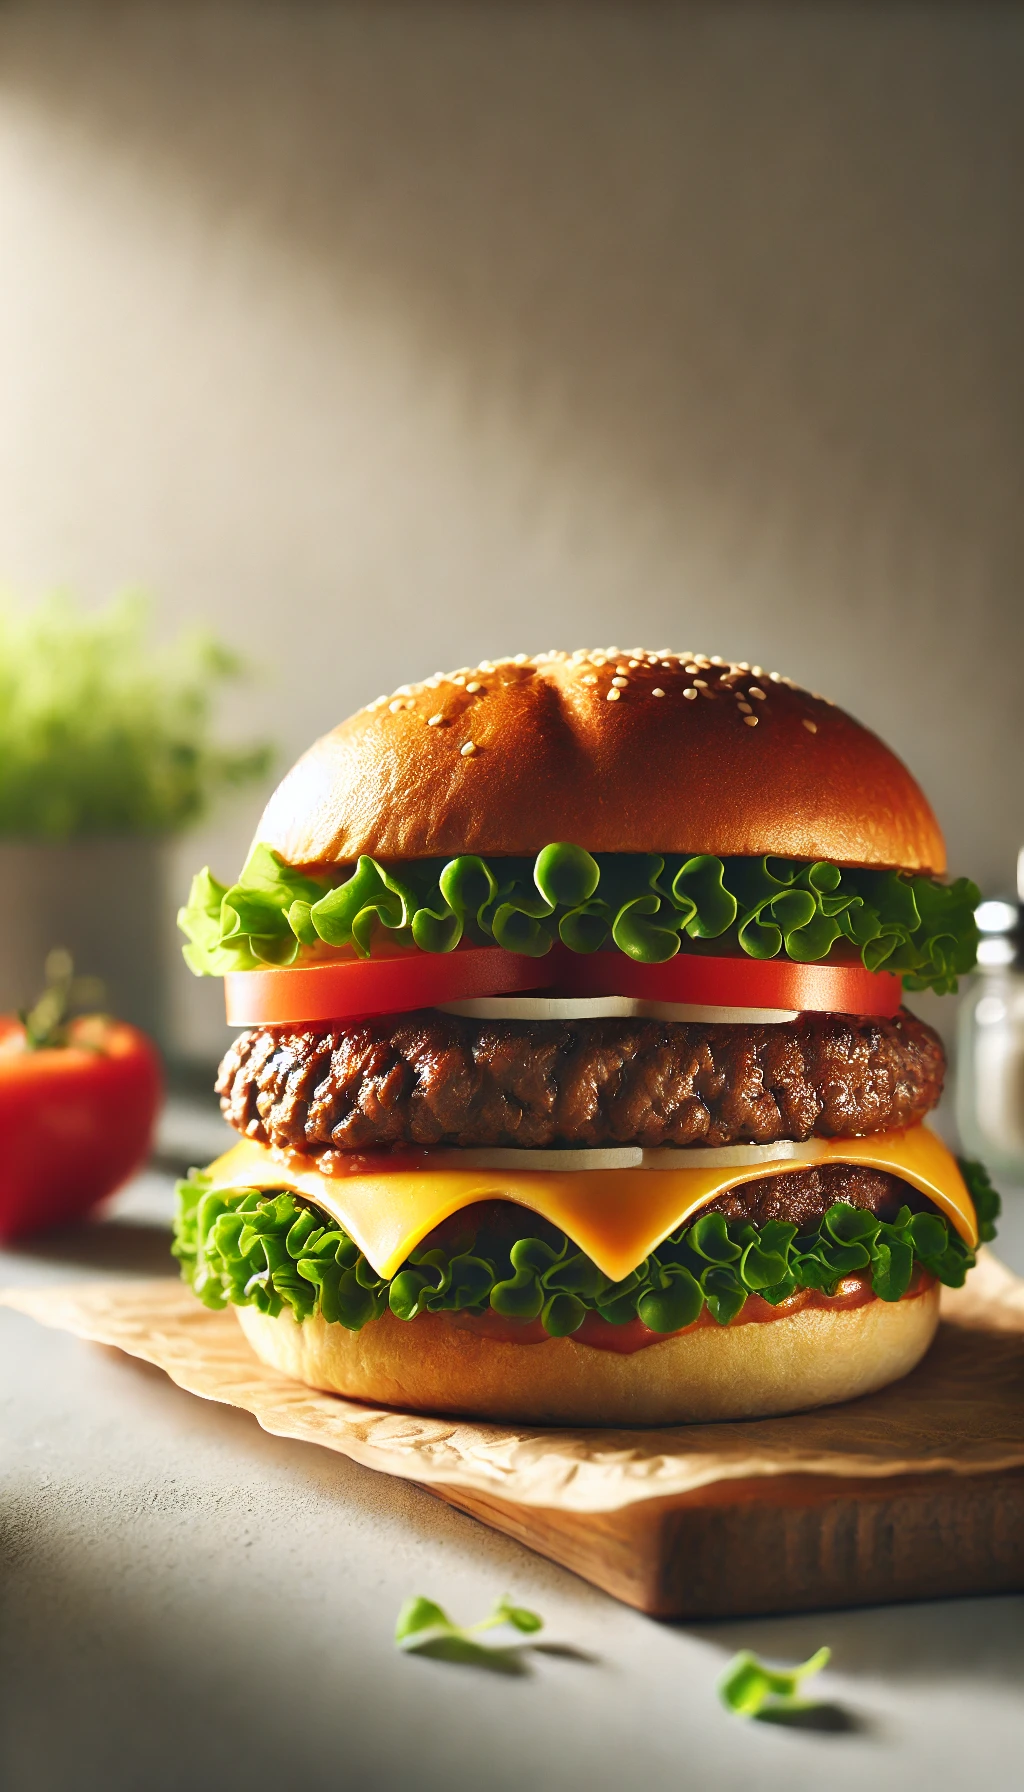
<point x="618" y="1217"/>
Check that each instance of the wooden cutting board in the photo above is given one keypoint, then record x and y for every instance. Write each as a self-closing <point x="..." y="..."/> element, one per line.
<point x="807" y="1542"/>
<point x="789" y="1544"/>
<point x="914" y="1492"/>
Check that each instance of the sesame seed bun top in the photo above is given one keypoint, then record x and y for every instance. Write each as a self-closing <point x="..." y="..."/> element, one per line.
<point x="633" y="751"/>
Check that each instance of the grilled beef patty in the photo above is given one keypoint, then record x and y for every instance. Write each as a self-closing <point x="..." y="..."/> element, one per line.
<point x="429" y="1078"/>
<point x="801" y="1197"/>
<point x="804" y="1196"/>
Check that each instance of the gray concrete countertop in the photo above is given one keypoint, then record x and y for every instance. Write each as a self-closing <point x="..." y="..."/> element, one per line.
<point x="189" y="1603"/>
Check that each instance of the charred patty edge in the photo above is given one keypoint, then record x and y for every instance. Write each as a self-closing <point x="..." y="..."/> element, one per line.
<point x="432" y="1079"/>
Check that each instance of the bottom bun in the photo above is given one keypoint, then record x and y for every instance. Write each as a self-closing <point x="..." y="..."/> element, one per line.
<point x="812" y="1358"/>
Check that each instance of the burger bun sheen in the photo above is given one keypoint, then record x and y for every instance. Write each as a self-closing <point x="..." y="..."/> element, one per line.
<point x="617" y="752"/>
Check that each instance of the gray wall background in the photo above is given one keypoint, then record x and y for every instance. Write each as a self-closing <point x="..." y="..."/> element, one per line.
<point x="383" y="337"/>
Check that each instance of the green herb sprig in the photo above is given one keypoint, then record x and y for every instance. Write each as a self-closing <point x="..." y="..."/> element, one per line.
<point x="102" y="733"/>
<point x="750" y="1689"/>
<point x="424" y="1628"/>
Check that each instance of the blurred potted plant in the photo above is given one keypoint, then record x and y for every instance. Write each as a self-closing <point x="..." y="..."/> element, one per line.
<point x="106" y="750"/>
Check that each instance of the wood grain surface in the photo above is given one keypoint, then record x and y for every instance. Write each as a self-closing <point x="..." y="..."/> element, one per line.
<point x="787" y="1544"/>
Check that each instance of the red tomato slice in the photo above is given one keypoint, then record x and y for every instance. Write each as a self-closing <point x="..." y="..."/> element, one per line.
<point x="356" y="987"/>
<point x="352" y="989"/>
<point x="734" y="982"/>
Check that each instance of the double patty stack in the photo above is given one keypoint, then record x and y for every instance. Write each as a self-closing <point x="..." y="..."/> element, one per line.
<point x="579" y="1087"/>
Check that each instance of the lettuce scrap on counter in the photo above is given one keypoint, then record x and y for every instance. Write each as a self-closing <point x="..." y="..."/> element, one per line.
<point x="643" y="904"/>
<point x="273" y="1251"/>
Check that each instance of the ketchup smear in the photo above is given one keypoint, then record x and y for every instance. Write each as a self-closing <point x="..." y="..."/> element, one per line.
<point x="854" y="1291"/>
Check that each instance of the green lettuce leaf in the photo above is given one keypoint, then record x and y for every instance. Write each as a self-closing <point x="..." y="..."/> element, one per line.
<point x="987" y="1203"/>
<point x="275" y="1251"/>
<point x="642" y="904"/>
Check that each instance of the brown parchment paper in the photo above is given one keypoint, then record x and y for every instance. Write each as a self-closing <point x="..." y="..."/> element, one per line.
<point x="961" y="1412"/>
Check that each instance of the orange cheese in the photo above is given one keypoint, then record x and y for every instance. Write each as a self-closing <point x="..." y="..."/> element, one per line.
<point x="618" y="1217"/>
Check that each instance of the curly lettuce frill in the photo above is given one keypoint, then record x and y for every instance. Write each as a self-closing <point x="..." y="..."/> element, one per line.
<point x="645" y="905"/>
<point x="272" y="1251"/>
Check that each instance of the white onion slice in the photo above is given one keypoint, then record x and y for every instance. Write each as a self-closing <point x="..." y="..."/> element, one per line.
<point x="737" y="1157"/>
<point x="627" y="1157"/>
<point x="621" y="1157"/>
<point x="612" y="1008"/>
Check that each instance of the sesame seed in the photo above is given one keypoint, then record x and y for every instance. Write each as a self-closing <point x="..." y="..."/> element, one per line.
<point x="458" y="681"/>
<point x="691" y="669"/>
<point x="588" y="678"/>
<point x="690" y="692"/>
<point x="396" y="704"/>
<point x="613" y="695"/>
<point x="751" y="721"/>
<point x="754" y="692"/>
<point x="469" y="749"/>
<point x="776" y="677"/>
<point x="434" y="721"/>
<point x="473" y="687"/>
<point x="757" y="671"/>
<point x="633" y="665"/>
<point x="811" y="727"/>
<point x="717" y="660"/>
<point x="598" y="659"/>
<point x="657" y="691"/>
<point x="745" y="709"/>
<point x="701" y="683"/>
<point x="620" y="683"/>
<point x="520" y="659"/>
<point x="744" y="665"/>
<point x="667" y="666"/>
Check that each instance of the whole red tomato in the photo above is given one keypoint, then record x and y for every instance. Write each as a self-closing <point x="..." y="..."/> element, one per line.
<point x="76" y="1118"/>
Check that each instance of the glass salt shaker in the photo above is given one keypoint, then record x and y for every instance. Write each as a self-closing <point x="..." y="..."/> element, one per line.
<point x="990" y="1082"/>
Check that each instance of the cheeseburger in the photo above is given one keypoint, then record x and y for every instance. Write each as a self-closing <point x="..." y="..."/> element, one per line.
<point x="575" y="1084"/>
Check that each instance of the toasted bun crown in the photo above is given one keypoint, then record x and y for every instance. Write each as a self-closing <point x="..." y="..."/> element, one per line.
<point x="618" y="752"/>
